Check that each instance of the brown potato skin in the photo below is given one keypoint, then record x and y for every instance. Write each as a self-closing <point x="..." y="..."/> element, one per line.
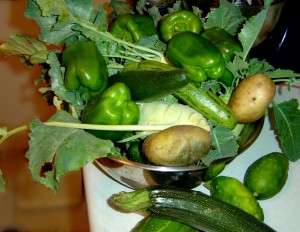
<point x="252" y="97"/>
<point x="177" y="145"/>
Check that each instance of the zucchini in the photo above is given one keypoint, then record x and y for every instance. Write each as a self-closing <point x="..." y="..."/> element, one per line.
<point x="149" y="85"/>
<point x="155" y="224"/>
<point x="192" y="208"/>
<point x="148" y="65"/>
<point x="208" y="104"/>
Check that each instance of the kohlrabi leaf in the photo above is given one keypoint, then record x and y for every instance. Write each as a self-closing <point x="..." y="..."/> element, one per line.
<point x="31" y="50"/>
<point x="55" y="151"/>
<point x="224" y="144"/>
<point x="57" y="85"/>
<point x="2" y="183"/>
<point x="282" y="74"/>
<point x="57" y="23"/>
<point x="228" y="16"/>
<point x="250" y="31"/>
<point x="119" y="8"/>
<point x="3" y="131"/>
<point x="267" y="3"/>
<point x="287" y="122"/>
<point x="47" y="23"/>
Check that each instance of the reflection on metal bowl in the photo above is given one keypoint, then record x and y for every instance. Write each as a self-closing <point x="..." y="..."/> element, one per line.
<point x="136" y="175"/>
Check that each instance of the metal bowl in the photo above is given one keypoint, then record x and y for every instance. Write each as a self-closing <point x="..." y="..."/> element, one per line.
<point x="136" y="175"/>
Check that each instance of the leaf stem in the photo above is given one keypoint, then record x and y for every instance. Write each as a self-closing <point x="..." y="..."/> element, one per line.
<point x="124" y="43"/>
<point x="13" y="132"/>
<point x="110" y="127"/>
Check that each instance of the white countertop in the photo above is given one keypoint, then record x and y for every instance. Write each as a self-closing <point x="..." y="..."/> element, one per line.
<point x="282" y="212"/>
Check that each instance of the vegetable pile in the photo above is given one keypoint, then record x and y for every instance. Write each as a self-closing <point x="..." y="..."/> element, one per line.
<point x="108" y="77"/>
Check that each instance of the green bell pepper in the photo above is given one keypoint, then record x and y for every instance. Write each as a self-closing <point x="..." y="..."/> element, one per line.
<point x="112" y="107"/>
<point x="179" y="21"/>
<point x="86" y="69"/>
<point x="227" y="78"/>
<point x="132" y="27"/>
<point x="224" y="41"/>
<point x="227" y="44"/>
<point x="198" y="56"/>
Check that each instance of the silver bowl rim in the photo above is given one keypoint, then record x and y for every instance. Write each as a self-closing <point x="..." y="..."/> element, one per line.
<point x="244" y="147"/>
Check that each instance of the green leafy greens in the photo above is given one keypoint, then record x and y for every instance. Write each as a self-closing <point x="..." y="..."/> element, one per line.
<point x="287" y="118"/>
<point x="63" y="149"/>
<point x="223" y="144"/>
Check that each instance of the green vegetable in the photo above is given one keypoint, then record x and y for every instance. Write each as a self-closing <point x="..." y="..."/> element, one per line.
<point x="132" y="27"/>
<point x="192" y="208"/>
<point x="224" y="41"/>
<point x="208" y="104"/>
<point x="179" y="21"/>
<point x="267" y="175"/>
<point x="232" y="191"/>
<point x="213" y="171"/>
<point x="112" y="107"/>
<point x="148" y="85"/>
<point x="148" y="65"/>
<point x="198" y="56"/>
<point x="228" y="46"/>
<point x="134" y="152"/>
<point x="227" y="78"/>
<point x="155" y="224"/>
<point x="86" y="70"/>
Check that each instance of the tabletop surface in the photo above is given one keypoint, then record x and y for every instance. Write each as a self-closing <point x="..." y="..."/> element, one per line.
<point x="282" y="212"/>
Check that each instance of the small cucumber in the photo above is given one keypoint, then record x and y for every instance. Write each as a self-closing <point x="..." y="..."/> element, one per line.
<point x="213" y="171"/>
<point x="267" y="175"/>
<point x="134" y="152"/>
<point x="155" y="224"/>
<point x="234" y="192"/>
<point x="152" y="84"/>
<point x="208" y="104"/>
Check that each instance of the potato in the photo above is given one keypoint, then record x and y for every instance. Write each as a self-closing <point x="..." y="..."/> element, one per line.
<point x="252" y="97"/>
<point x="179" y="145"/>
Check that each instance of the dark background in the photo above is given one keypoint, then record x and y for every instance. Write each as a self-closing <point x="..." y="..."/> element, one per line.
<point x="282" y="48"/>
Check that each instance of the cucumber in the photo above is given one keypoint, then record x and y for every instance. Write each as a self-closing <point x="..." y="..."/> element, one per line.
<point x="208" y="104"/>
<point x="192" y="208"/>
<point x="155" y="224"/>
<point x="149" y="85"/>
<point x="234" y="192"/>
<point x="267" y="175"/>
<point x="213" y="171"/>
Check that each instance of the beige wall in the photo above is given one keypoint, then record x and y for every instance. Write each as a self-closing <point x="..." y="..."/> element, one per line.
<point x="20" y="100"/>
